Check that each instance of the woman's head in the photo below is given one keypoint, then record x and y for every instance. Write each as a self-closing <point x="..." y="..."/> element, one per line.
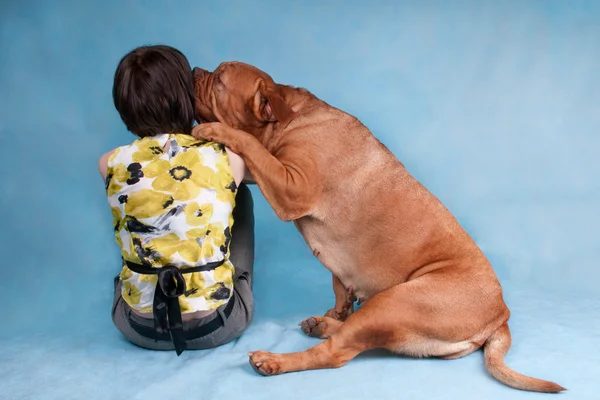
<point x="153" y="91"/>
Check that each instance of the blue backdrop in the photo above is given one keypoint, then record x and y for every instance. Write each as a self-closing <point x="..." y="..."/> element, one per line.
<point x="494" y="106"/>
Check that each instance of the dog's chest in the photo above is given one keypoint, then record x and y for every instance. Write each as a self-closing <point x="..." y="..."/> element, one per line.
<point x="329" y="249"/>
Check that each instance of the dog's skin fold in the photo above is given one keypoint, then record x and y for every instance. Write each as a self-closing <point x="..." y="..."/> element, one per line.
<point x="428" y="290"/>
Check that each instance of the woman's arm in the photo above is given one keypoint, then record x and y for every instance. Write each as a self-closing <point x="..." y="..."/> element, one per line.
<point x="103" y="164"/>
<point x="238" y="168"/>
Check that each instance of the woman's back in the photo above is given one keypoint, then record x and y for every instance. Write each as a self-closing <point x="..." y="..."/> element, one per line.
<point x="172" y="198"/>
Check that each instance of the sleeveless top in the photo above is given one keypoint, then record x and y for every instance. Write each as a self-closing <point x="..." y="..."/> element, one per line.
<point x="173" y="208"/>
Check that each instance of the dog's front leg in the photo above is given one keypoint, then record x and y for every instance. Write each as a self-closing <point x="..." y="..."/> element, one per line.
<point x="324" y="327"/>
<point x="344" y="301"/>
<point x="288" y="179"/>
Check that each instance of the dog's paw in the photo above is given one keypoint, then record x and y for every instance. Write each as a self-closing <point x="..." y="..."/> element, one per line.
<point x="265" y="363"/>
<point x="211" y="131"/>
<point x="314" y="327"/>
<point x="206" y="131"/>
<point x="220" y="133"/>
<point x="341" y="315"/>
<point x="331" y="313"/>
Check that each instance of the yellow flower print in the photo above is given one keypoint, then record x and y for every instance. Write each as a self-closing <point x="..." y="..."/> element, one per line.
<point x="113" y="155"/>
<point x="216" y="234"/>
<point x="198" y="215"/>
<point x="119" y="241"/>
<point x="223" y="178"/>
<point x="197" y="279"/>
<point x="131" y="294"/>
<point x="224" y="273"/>
<point x="188" y="140"/>
<point x="207" y="250"/>
<point x="227" y="196"/>
<point x="148" y="150"/>
<point x="216" y="292"/>
<point x="119" y="175"/>
<point x="184" y="306"/>
<point x="170" y="244"/>
<point x="125" y="273"/>
<point x="166" y="245"/>
<point x="146" y="255"/>
<point x="149" y="278"/>
<point x="213" y="239"/>
<point x="116" y="214"/>
<point x="224" y="166"/>
<point x="113" y="187"/>
<point x="194" y="280"/>
<point x="183" y="176"/>
<point x="190" y="251"/>
<point x="196" y="233"/>
<point x="143" y="254"/>
<point x="147" y="203"/>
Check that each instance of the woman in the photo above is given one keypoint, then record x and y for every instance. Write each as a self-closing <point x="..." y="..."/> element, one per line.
<point x="184" y="224"/>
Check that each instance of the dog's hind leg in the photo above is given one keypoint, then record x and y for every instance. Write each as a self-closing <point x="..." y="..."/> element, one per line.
<point x="357" y="334"/>
<point x="331" y="353"/>
<point x="435" y="315"/>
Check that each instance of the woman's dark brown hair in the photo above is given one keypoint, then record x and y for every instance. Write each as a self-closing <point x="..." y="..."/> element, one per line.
<point x="153" y="91"/>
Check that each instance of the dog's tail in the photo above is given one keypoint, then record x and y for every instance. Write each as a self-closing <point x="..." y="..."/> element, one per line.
<point x="494" y="350"/>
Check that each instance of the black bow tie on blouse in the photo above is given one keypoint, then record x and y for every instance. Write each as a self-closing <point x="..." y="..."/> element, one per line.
<point x="171" y="285"/>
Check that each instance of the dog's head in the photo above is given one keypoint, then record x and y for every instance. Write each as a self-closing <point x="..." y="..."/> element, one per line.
<point x="239" y="95"/>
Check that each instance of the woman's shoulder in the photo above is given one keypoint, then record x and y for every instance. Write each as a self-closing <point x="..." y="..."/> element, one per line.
<point x="232" y="161"/>
<point x="188" y="141"/>
<point x="105" y="160"/>
<point x="111" y="156"/>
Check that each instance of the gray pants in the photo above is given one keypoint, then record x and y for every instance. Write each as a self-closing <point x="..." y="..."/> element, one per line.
<point x="232" y="326"/>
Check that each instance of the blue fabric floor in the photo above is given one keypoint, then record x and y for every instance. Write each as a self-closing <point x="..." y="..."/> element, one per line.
<point x="492" y="105"/>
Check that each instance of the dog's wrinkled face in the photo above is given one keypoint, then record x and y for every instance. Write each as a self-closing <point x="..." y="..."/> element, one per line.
<point x="238" y="95"/>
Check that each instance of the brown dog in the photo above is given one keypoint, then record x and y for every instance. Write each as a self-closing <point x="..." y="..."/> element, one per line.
<point x="428" y="290"/>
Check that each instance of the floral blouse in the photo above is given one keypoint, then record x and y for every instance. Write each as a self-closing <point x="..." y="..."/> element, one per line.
<point x="173" y="207"/>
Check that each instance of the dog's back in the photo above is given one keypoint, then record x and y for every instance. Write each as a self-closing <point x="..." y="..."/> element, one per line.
<point x="373" y="225"/>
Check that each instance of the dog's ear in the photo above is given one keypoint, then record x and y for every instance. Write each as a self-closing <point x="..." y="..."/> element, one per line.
<point x="270" y="106"/>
